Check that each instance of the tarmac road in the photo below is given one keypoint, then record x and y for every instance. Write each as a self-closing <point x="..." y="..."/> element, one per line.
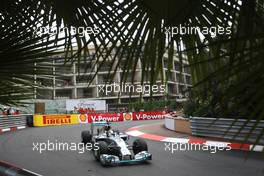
<point x="17" y="148"/>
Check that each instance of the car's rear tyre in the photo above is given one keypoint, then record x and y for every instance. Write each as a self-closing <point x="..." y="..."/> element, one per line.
<point x="102" y="149"/>
<point x="116" y="131"/>
<point x="86" y="137"/>
<point x="139" y="145"/>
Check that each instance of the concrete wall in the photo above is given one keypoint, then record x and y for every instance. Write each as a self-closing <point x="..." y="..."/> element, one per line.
<point x="178" y="124"/>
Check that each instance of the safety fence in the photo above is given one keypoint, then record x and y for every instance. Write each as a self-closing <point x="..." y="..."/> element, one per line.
<point x="9" y="121"/>
<point x="234" y="129"/>
<point x="15" y="122"/>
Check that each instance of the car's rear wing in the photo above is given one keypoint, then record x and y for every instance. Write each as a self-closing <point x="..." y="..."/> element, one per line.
<point x="97" y="124"/>
<point x="100" y="123"/>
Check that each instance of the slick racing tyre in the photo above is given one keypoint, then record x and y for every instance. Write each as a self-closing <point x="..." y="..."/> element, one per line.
<point x="102" y="149"/>
<point x="86" y="137"/>
<point x="139" y="145"/>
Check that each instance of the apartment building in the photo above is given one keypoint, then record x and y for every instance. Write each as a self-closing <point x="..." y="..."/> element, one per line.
<point x="75" y="77"/>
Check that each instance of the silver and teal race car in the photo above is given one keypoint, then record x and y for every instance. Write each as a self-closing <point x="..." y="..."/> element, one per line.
<point x="111" y="146"/>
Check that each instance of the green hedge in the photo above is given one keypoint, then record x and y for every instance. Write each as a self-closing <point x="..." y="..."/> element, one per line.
<point x="155" y="105"/>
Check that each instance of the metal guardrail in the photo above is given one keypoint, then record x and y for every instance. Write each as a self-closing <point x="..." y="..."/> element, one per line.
<point x="230" y="129"/>
<point x="8" y="121"/>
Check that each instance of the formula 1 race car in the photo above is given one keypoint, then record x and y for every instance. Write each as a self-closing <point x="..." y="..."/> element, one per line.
<point x="112" y="147"/>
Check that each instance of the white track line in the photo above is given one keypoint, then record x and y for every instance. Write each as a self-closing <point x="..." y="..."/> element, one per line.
<point x="134" y="133"/>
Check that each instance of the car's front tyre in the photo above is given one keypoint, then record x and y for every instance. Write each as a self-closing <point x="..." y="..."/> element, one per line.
<point x="139" y="145"/>
<point x="86" y="137"/>
<point x="102" y="149"/>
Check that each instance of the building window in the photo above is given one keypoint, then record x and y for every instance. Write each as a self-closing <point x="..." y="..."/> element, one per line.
<point x="187" y="69"/>
<point x="63" y="81"/>
<point x="66" y="69"/>
<point x="83" y="79"/>
<point x="177" y="66"/>
<point x="188" y="80"/>
<point x="84" y="68"/>
<point x="64" y="93"/>
<point x="172" y="89"/>
<point x="179" y="78"/>
<point x="44" y="94"/>
<point x="85" y="92"/>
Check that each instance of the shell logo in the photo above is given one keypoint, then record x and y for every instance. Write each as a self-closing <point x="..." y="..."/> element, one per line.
<point x="83" y="118"/>
<point x="127" y="116"/>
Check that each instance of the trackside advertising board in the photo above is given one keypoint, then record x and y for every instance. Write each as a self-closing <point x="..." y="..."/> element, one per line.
<point x="110" y="117"/>
<point x="148" y="115"/>
<point x="55" y="119"/>
<point x="69" y="119"/>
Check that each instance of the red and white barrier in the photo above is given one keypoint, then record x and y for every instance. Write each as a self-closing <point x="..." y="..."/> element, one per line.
<point x="12" y="129"/>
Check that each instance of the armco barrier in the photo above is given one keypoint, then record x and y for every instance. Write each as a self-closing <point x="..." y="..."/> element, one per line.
<point x="13" y="122"/>
<point x="227" y="129"/>
<point x="67" y="119"/>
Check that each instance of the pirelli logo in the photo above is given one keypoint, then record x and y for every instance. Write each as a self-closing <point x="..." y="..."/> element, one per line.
<point x="56" y="119"/>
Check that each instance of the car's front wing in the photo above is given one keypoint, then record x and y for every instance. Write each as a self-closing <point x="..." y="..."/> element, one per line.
<point x="110" y="160"/>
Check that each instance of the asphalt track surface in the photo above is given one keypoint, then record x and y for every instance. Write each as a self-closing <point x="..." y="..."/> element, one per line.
<point x="17" y="148"/>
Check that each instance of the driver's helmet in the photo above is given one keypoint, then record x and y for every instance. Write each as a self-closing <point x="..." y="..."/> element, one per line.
<point x="107" y="128"/>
